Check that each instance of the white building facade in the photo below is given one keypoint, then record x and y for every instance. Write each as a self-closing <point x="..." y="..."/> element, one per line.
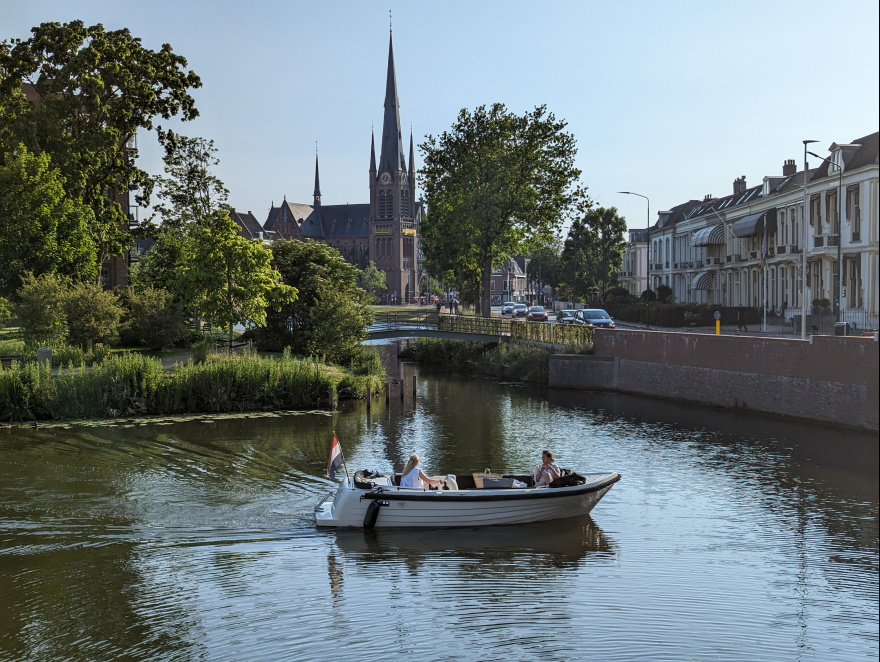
<point x="746" y="249"/>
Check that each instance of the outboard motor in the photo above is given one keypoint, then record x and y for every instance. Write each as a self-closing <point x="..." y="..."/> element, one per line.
<point x="372" y="513"/>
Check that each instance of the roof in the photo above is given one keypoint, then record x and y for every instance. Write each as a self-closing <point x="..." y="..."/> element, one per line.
<point x="337" y="221"/>
<point x="295" y="211"/>
<point x="866" y="155"/>
<point x="250" y="226"/>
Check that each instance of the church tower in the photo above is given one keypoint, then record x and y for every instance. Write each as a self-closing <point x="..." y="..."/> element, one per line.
<point x="393" y="214"/>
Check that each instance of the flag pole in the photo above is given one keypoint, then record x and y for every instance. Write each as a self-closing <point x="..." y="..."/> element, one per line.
<point x="344" y="465"/>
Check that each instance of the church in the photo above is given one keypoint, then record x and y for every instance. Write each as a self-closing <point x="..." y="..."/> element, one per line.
<point x="384" y="230"/>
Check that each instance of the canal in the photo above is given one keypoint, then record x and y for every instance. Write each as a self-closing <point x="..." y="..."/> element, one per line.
<point x="728" y="538"/>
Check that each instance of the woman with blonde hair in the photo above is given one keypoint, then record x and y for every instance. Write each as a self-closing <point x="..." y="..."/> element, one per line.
<point x="413" y="476"/>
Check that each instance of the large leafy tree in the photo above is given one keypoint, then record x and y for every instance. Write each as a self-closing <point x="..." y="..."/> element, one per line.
<point x="495" y="184"/>
<point x="79" y="94"/>
<point x="228" y="278"/>
<point x="189" y="195"/>
<point x="331" y="314"/>
<point x="593" y="251"/>
<point x="41" y="230"/>
<point x="545" y="263"/>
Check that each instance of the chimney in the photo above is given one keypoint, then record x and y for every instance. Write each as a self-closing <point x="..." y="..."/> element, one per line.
<point x="788" y="168"/>
<point x="707" y="197"/>
<point x="739" y="185"/>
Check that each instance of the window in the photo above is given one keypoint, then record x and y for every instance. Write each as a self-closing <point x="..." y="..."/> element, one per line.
<point x="854" y="213"/>
<point x="832" y="211"/>
<point x="816" y="212"/>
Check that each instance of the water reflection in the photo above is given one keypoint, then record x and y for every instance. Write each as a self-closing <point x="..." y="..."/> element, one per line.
<point x="730" y="537"/>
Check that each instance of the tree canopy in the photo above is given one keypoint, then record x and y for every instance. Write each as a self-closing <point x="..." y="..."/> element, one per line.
<point x="495" y="184"/>
<point x="331" y="314"/>
<point x="79" y="94"/>
<point x="41" y="230"/>
<point x="593" y="252"/>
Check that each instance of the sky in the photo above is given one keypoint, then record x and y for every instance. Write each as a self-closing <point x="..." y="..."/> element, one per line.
<point x="673" y="100"/>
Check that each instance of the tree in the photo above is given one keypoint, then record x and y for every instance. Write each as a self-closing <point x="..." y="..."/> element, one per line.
<point x="227" y="277"/>
<point x="330" y="315"/>
<point x="372" y="279"/>
<point x="545" y="263"/>
<point x="92" y="89"/>
<point x="188" y="195"/>
<point x="593" y="251"/>
<point x="495" y="185"/>
<point x="41" y="231"/>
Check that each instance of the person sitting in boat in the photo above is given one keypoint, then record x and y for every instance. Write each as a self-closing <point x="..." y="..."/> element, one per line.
<point x="413" y="476"/>
<point x="547" y="471"/>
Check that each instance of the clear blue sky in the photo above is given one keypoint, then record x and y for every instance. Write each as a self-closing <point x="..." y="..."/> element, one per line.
<point x="673" y="100"/>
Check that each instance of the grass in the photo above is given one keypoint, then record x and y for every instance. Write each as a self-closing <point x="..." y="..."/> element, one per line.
<point x="11" y="341"/>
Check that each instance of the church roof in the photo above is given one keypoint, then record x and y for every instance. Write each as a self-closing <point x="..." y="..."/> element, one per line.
<point x="337" y="221"/>
<point x="295" y="210"/>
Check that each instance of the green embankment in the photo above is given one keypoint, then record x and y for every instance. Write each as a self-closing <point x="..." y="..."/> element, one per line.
<point x="133" y="384"/>
<point x="508" y="361"/>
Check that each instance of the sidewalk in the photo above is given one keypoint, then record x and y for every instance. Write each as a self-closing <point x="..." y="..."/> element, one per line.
<point x="773" y="330"/>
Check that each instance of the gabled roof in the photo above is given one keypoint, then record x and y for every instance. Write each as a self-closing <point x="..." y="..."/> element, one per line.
<point x="250" y="226"/>
<point x="865" y="155"/>
<point x="291" y="210"/>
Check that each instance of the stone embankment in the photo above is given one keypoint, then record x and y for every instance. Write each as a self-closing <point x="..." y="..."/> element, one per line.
<point x="827" y="378"/>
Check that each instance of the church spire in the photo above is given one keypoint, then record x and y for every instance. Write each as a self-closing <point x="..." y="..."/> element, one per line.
<point x="372" y="152"/>
<point x="317" y="193"/>
<point x="391" y="157"/>
<point x="412" y="160"/>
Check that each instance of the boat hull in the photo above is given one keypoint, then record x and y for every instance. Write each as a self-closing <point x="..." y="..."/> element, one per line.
<point x="403" y="508"/>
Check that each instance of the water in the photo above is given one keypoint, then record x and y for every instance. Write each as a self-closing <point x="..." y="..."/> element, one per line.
<point x="728" y="538"/>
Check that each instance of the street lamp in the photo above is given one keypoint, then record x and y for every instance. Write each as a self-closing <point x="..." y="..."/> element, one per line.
<point x="647" y="254"/>
<point x="804" y="251"/>
<point x="838" y="300"/>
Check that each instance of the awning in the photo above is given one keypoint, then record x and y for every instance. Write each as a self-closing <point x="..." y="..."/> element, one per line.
<point x="754" y="224"/>
<point x="711" y="236"/>
<point x="705" y="281"/>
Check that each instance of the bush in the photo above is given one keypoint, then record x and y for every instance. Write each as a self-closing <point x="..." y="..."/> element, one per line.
<point x="40" y="308"/>
<point x="92" y="315"/>
<point x="152" y="319"/>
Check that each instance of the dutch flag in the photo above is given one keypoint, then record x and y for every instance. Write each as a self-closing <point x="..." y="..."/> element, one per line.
<point x="335" y="460"/>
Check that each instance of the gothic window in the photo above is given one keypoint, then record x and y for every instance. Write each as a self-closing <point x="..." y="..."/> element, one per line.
<point x="381" y="205"/>
<point x="389" y="204"/>
<point x="404" y="203"/>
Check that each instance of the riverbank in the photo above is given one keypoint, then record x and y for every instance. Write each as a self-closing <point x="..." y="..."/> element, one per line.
<point x="828" y="379"/>
<point x="511" y="361"/>
<point x="133" y="385"/>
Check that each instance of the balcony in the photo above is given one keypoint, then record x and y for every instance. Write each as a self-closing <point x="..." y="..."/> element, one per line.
<point x="739" y="258"/>
<point x="832" y="240"/>
<point x="753" y="255"/>
<point x="819" y="242"/>
<point x="711" y="261"/>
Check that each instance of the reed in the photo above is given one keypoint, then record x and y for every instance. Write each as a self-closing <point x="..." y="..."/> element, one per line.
<point x="133" y="384"/>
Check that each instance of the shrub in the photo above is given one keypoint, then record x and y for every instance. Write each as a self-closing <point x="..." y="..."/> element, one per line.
<point x="152" y="319"/>
<point x="40" y="308"/>
<point x="92" y="315"/>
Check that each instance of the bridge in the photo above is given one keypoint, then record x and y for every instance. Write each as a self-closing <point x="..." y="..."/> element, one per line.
<point x="415" y="324"/>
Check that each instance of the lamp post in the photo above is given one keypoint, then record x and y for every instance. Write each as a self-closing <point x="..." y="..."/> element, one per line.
<point x="647" y="256"/>
<point x="804" y="251"/>
<point x="838" y="299"/>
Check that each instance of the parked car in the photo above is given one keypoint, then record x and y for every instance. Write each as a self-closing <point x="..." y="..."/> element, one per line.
<point x="537" y="314"/>
<point x="507" y="307"/>
<point x="594" y="317"/>
<point x="565" y="316"/>
<point x="520" y="310"/>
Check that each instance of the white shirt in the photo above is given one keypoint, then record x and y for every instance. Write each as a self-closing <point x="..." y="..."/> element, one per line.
<point x="540" y="468"/>
<point x="412" y="478"/>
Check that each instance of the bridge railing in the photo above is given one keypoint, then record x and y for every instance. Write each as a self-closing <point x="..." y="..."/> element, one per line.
<point x="405" y="320"/>
<point x="552" y="334"/>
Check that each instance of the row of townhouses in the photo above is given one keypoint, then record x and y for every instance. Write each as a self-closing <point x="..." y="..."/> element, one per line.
<point x="747" y="248"/>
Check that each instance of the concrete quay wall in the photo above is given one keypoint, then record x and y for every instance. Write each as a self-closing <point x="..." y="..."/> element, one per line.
<point x="829" y="379"/>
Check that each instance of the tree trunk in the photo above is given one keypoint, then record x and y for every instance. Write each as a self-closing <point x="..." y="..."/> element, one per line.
<point x="485" y="295"/>
<point x="230" y="337"/>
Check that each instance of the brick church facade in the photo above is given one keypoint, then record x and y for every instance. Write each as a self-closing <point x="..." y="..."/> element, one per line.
<point x="384" y="230"/>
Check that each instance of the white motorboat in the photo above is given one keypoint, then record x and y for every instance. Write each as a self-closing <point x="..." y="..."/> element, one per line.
<point x="370" y="499"/>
